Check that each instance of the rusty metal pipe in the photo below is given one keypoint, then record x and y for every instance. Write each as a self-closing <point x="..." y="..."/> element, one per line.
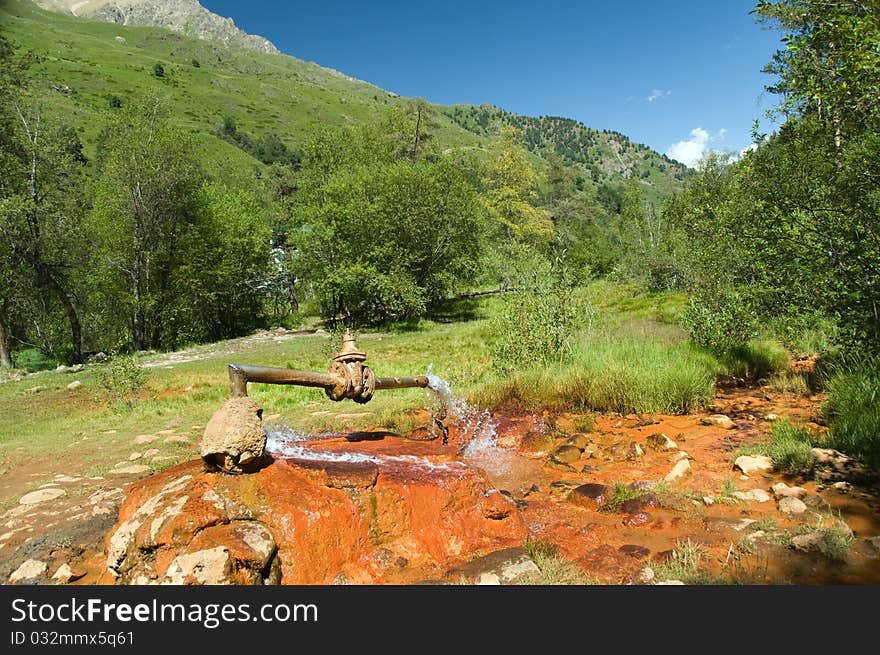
<point x="240" y="375"/>
<point x="402" y="383"/>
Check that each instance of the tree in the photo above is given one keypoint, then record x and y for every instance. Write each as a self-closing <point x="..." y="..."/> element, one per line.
<point x="41" y="221"/>
<point x="511" y="197"/>
<point x="145" y="203"/>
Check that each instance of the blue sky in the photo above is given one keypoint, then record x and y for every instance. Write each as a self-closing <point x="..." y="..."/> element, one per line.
<point x="680" y="76"/>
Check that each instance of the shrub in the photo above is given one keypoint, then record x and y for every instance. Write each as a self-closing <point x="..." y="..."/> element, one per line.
<point x="853" y="412"/>
<point x="121" y="379"/>
<point x="158" y="70"/>
<point x="719" y="319"/>
<point x="32" y="360"/>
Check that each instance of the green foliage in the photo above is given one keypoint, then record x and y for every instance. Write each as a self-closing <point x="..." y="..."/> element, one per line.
<point x="32" y="360"/>
<point x="380" y="238"/>
<point x="553" y="569"/>
<point x="789" y="448"/>
<point x="538" y="323"/>
<point x="719" y="319"/>
<point x="120" y="380"/>
<point x="683" y="564"/>
<point x="853" y="411"/>
<point x="158" y="70"/>
<point x="755" y="359"/>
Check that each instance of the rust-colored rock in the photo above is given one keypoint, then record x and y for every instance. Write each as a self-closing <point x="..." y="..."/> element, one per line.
<point x="536" y="444"/>
<point x="309" y="522"/>
<point x="589" y="496"/>
<point x="567" y="454"/>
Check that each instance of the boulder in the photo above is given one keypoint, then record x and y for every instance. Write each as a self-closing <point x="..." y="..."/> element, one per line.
<point x="503" y="567"/>
<point x="749" y="464"/>
<point x="29" y="570"/>
<point x="589" y="496"/>
<point x="234" y="440"/>
<point x="756" y="495"/>
<point x="41" y="496"/>
<point x="567" y="454"/>
<point x="791" y="505"/>
<point x="579" y="441"/>
<point x="681" y="470"/>
<point x="719" y="420"/>
<point x="782" y="490"/>
<point x="536" y="444"/>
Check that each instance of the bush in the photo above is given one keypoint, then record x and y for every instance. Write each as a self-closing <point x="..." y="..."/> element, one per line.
<point x="32" y="360"/>
<point x="121" y="379"/>
<point x="158" y="70"/>
<point x="537" y="325"/>
<point x="853" y="412"/>
<point x="719" y="320"/>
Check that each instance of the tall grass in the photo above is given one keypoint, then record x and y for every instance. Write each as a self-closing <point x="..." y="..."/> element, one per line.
<point x="853" y="412"/>
<point x="755" y="360"/>
<point x="618" y="372"/>
<point x="790" y="447"/>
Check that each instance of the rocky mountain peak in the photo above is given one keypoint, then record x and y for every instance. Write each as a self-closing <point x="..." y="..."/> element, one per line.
<point x="184" y="16"/>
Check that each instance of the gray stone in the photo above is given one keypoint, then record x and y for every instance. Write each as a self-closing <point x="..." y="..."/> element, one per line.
<point x="749" y="464"/>
<point x="145" y="438"/>
<point x="76" y="384"/>
<point x="42" y="495"/>
<point x="681" y="470"/>
<point x="645" y="576"/>
<point x="65" y="574"/>
<point x="719" y="420"/>
<point x="791" y="505"/>
<point x="207" y="567"/>
<point x="643" y="485"/>
<point x="812" y="541"/>
<point x="29" y="570"/>
<point x="782" y="490"/>
<point x="756" y="495"/>
<point x="234" y="439"/>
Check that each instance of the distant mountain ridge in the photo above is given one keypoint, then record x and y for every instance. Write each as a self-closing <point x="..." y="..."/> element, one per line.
<point x="183" y="16"/>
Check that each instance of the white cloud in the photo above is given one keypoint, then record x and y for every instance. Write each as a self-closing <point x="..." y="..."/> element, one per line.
<point x="658" y="94"/>
<point x="691" y="151"/>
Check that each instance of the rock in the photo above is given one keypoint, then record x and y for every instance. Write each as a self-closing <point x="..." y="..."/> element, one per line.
<point x="637" y="519"/>
<point x="720" y="420"/>
<point x="42" y="495"/>
<point x="211" y="567"/>
<point x="76" y="384"/>
<point x="782" y="490"/>
<point x="643" y="485"/>
<point x="635" y="551"/>
<point x="145" y="438"/>
<point x="579" y="441"/>
<point x="681" y="469"/>
<point x="562" y="487"/>
<point x="636" y="505"/>
<point x="589" y="496"/>
<point x="669" y="582"/>
<point x="234" y="439"/>
<point x="749" y="464"/>
<point x="842" y="487"/>
<point x="756" y="495"/>
<point x="135" y="469"/>
<point x="680" y="455"/>
<point x="175" y="438"/>
<point x="502" y="567"/>
<point x="660" y="441"/>
<point x="708" y="501"/>
<point x="536" y="444"/>
<point x="151" y="452"/>
<point x="834" y="466"/>
<point x="567" y="454"/>
<point x="65" y="574"/>
<point x="874" y="544"/>
<point x="134" y="456"/>
<point x="29" y="570"/>
<point x="184" y="524"/>
<point x="557" y="465"/>
<point x="771" y="417"/>
<point x="812" y="541"/>
<point x="645" y="576"/>
<point x="791" y="505"/>
<point x="589" y="468"/>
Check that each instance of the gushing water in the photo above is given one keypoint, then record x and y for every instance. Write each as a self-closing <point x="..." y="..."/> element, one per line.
<point x="286" y="442"/>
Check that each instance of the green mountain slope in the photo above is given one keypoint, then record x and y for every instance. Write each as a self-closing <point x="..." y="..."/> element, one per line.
<point x="86" y="67"/>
